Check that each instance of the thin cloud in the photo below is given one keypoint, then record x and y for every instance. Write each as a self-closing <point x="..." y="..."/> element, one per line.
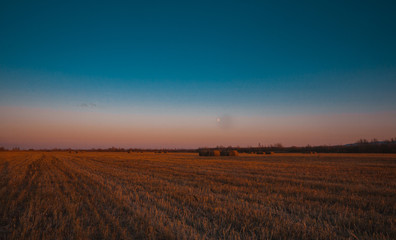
<point x="224" y="122"/>
<point x="87" y="105"/>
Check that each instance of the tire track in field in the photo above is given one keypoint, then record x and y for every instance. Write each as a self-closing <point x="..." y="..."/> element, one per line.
<point x="4" y="176"/>
<point x="9" y="184"/>
<point x="18" y="197"/>
<point x="4" y="179"/>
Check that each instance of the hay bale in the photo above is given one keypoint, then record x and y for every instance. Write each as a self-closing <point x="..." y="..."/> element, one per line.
<point x="209" y="153"/>
<point x="233" y="153"/>
<point x="216" y="153"/>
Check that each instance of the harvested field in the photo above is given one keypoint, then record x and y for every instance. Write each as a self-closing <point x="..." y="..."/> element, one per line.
<point x="62" y="195"/>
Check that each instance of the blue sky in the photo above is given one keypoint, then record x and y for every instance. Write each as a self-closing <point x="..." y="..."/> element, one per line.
<point x="240" y="58"/>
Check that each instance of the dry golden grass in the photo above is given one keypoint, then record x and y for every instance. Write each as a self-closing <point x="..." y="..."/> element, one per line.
<point x="61" y="195"/>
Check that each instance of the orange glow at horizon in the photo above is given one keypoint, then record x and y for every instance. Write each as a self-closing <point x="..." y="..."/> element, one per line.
<point x="49" y="128"/>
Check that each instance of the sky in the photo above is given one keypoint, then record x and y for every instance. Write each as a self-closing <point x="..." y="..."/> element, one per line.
<point x="187" y="74"/>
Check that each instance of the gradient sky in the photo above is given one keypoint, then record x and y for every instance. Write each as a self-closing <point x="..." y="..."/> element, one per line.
<point x="196" y="73"/>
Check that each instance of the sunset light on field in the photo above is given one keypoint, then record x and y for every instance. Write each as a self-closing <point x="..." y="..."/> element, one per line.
<point x="198" y="119"/>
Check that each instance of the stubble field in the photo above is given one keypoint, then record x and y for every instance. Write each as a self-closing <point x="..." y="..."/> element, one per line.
<point x="62" y="195"/>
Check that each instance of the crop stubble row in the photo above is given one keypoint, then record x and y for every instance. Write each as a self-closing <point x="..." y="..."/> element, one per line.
<point x="121" y="196"/>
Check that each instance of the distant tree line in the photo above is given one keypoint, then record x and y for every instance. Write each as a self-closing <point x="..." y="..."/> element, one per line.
<point x="361" y="146"/>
